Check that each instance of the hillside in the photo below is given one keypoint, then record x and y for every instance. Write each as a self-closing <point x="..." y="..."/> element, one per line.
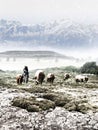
<point x="34" y="54"/>
<point x="63" y="105"/>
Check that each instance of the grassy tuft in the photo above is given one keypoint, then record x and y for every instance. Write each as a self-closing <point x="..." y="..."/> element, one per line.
<point x="81" y="106"/>
<point x="32" y="105"/>
<point x="59" y="100"/>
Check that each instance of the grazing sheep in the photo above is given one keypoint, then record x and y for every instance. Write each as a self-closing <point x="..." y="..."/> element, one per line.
<point x="39" y="76"/>
<point x="50" y="77"/>
<point x="19" y="78"/>
<point x="81" y="78"/>
<point x="66" y="76"/>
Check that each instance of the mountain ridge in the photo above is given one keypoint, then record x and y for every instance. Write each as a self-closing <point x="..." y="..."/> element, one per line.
<point x="56" y="34"/>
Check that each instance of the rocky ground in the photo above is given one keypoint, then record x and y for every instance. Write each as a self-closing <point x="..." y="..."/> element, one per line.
<point x="57" y="118"/>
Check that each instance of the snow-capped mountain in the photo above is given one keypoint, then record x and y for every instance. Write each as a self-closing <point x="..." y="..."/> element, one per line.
<point x="59" y="34"/>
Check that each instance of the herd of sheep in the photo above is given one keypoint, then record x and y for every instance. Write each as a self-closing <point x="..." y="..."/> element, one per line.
<point x="40" y="76"/>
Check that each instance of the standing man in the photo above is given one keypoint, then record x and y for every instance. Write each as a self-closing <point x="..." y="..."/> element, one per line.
<point x="25" y="74"/>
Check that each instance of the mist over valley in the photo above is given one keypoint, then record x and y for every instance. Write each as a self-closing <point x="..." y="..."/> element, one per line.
<point x="65" y="37"/>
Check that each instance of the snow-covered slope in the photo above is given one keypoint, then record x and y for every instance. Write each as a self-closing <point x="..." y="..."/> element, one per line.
<point x="60" y="34"/>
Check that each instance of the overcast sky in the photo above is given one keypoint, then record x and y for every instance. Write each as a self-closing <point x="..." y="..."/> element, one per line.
<point x="32" y="11"/>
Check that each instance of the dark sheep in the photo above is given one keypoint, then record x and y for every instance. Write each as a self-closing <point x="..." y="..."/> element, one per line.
<point x="66" y="76"/>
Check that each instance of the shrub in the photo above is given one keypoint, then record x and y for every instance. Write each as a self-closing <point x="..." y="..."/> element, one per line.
<point x="90" y="67"/>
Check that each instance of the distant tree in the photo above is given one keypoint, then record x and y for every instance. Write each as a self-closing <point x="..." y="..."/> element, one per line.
<point x="89" y="67"/>
<point x="72" y="69"/>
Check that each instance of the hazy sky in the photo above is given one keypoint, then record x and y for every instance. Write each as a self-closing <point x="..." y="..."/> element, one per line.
<point x="32" y="11"/>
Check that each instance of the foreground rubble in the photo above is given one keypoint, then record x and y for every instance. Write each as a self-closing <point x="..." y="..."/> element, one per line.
<point x="12" y="118"/>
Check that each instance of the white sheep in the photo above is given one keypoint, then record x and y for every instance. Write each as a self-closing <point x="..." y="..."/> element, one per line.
<point x="81" y="78"/>
<point x="39" y="76"/>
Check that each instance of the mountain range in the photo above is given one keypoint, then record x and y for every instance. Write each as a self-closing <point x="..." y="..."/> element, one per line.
<point x="57" y="34"/>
